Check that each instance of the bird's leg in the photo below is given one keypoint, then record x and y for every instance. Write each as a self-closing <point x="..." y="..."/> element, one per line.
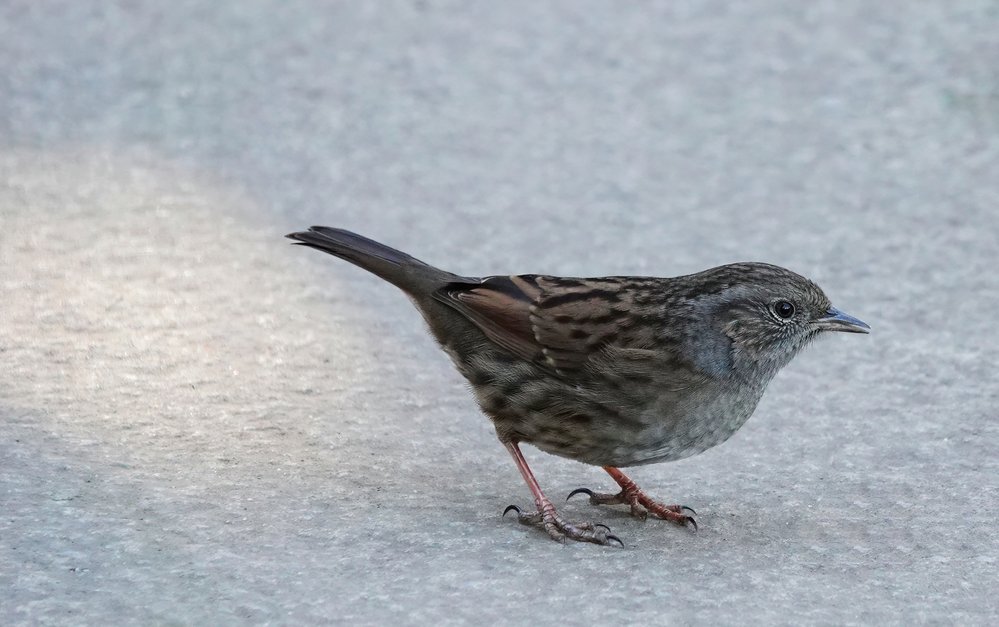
<point x="641" y="504"/>
<point x="557" y="527"/>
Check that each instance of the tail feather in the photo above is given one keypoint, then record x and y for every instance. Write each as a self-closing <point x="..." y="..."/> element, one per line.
<point x="406" y="272"/>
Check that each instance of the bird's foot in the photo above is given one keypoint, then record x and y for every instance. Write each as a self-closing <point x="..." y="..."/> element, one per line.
<point x="641" y="505"/>
<point x="561" y="529"/>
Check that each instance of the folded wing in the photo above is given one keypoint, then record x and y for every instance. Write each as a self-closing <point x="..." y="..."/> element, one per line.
<point x="561" y="324"/>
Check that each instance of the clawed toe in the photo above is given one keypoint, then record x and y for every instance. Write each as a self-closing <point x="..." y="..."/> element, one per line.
<point x="597" y="498"/>
<point x="674" y="513"/>
<point x="561" y="530"/>
<point x="640" y="504"/>
<point x="524" y="518"/>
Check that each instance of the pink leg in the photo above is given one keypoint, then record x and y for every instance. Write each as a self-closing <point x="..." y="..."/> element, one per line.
<point x="547" y="516"/>
<point x="641" y="504"/>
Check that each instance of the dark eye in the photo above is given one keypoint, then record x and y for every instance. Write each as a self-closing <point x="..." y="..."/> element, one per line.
<point x="783" y="309"/>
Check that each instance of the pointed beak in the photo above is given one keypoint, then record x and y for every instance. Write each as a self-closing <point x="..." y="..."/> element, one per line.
<point x="836" y="320"/>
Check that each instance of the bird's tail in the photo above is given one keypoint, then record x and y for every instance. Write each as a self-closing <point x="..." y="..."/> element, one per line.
<point x="408" y="273"/>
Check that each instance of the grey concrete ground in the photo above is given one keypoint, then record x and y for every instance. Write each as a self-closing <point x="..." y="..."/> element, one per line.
<point x="200" y="424"/>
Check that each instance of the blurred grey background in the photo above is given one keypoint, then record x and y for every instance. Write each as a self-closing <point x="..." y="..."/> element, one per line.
<point x="200" y="424"/>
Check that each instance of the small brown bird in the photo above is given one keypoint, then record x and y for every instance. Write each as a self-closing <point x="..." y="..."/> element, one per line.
<point x="615" y="371"/>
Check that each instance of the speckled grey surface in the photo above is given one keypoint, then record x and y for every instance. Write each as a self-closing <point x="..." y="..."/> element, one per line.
<point x="200" y="424"/>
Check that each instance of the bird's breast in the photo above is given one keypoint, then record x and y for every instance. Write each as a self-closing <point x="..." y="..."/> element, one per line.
<point x="679" y="428"/>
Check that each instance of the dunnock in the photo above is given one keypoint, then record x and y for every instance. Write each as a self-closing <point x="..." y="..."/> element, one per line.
<point x="614" y="371"/>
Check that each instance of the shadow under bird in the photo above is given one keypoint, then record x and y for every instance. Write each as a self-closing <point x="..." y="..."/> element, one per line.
<point x="615" y="371"/>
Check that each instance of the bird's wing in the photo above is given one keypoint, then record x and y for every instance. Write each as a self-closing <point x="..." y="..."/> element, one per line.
<point x="557" y="323"/>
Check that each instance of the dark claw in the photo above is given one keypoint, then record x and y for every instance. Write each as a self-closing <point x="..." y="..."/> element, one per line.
<point x="585" y="491"/>
<point x="510" y="508"/>
<point x="690" y="521"/>
<point x="689" y="509"/>
<point x="611" y="538"/>
<point x="602" y="525"/>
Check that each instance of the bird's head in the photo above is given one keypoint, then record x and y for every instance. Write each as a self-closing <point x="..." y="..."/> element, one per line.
<point x="768" y="314"/>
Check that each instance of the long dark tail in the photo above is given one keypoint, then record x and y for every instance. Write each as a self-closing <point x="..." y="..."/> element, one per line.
<point x="407" y="273"/>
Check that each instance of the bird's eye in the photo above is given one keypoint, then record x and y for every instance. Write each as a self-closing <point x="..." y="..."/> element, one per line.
<point x="783" y="309"/>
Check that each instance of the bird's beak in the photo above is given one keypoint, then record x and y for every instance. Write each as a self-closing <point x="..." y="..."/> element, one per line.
<point x="836" y="320"/>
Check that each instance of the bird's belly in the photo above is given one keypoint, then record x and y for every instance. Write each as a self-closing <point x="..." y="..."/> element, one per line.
<point x="664" y="431"/>
<point x="690" y="436"/>
<point x="605" y="426"/>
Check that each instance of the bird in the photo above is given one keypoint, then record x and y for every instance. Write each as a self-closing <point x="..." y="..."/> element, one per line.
<point x="616" y="371"/>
